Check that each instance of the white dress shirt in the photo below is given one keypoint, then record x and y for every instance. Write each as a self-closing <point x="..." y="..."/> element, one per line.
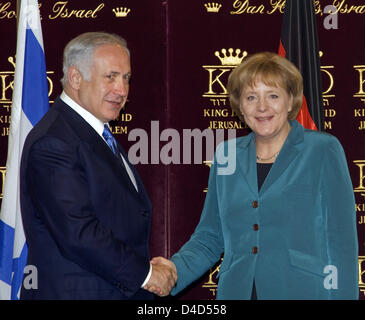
<point x="98" y="126"/>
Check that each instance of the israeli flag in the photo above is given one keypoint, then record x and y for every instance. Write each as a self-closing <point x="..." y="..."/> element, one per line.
<point x="30" y="103"/>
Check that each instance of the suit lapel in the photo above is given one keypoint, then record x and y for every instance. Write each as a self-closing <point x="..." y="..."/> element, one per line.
<point x="287" y="155"/>
<point x="103" y="150"/>
<point x="95" y="141"/>
<point x="141" y="190"/>
<point x="246" y="158"/>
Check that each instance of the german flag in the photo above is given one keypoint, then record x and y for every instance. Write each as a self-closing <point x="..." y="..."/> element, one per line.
<point x="299" y="44"/>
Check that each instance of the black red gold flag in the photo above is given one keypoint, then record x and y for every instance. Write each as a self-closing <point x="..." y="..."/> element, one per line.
<point x="299" y="44"/>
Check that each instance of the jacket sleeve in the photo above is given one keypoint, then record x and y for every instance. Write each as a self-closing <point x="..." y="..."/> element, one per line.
<point x="340" y="222"/>
<point x="205" y="246"/>
<point x="59" y="188"/>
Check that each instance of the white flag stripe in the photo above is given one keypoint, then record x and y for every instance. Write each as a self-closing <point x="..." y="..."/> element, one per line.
<point x="29" y="72"/>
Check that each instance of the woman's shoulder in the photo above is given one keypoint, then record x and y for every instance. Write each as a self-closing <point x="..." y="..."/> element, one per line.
<point x="321" y="139"/>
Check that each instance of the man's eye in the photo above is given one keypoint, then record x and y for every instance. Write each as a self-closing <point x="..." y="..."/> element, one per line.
<point x="110" y="76"/>
<point x="127" y="76"/>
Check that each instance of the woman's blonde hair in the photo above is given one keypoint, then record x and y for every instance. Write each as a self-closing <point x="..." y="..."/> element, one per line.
<point x="271" y="69"/>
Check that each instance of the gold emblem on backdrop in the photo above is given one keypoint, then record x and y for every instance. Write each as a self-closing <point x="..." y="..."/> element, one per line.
<point x="360" y="210"/>
<point x="216" y="92"/>
<point x="6" y="93"/>
<point x="218" y="74"/>
<point x="361" y="186"/>
<point x="121" y="12"/>
<point x="361" y="92"/>
<point x="362" y="274"/>
<point x="213" y="7"/>
<point x="211" y="283"/>
<point x="231" y="59"/>
<point x="328" y="94"/>
<point x="359" y="111"/>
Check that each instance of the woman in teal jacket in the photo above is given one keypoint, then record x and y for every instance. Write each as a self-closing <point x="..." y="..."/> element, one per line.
<point x="285" y="219"/>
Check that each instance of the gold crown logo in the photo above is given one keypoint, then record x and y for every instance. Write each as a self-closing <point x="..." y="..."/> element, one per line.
<point x="121" y="12"/>
<point x="231" y="60"/>
<point x="212" y="7"/>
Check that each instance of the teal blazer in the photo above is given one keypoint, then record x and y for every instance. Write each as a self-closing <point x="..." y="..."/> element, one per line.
<point x="296" y="238"/>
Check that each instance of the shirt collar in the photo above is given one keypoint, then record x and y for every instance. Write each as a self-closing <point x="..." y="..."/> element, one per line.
<point x="86" y="115"/>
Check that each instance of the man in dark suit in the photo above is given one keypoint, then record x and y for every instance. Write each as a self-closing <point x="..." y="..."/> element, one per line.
<point x="85" y="212"/>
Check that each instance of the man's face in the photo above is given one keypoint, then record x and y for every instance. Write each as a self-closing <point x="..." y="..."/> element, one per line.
<point x="105" y="94"/>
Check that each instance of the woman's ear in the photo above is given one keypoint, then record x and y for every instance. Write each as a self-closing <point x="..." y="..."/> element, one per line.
<point x="291" y="101"/>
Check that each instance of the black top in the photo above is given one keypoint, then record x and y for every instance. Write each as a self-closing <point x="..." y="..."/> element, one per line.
<point x="262" y="172"/>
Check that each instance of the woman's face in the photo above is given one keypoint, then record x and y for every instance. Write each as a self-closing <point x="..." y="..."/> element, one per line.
<point x="265" y="110"/>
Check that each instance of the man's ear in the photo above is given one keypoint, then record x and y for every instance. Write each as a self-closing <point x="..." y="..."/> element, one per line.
<point x="74" y="77"/>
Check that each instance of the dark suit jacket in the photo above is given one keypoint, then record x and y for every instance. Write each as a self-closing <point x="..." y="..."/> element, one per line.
<point x="86" y="226"/>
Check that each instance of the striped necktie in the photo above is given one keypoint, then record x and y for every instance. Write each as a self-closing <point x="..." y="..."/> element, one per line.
<point x="110" y="140"/>
<point x="113" y="145"/>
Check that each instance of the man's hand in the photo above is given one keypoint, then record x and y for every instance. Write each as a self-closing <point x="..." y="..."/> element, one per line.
<point x="163" y="277"/>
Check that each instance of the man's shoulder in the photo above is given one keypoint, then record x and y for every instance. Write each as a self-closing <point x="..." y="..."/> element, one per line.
<point x="50" y="122"/>
<point x="53" y="126"/>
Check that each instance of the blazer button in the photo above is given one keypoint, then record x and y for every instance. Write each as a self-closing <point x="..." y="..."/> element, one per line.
<point x="255" y="227"/>
<point x="255" y="250"/>
<point x="255" y="204"/>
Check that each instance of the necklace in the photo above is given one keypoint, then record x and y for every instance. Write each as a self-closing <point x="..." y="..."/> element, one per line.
<point x="266" y="159"/>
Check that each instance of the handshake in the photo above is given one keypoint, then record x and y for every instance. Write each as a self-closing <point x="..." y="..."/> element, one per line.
<point x="163" y="277"/>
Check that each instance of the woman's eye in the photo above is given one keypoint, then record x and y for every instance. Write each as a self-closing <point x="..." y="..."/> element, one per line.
<point x="273" y="96"/>
<point x="250" y="98"/>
